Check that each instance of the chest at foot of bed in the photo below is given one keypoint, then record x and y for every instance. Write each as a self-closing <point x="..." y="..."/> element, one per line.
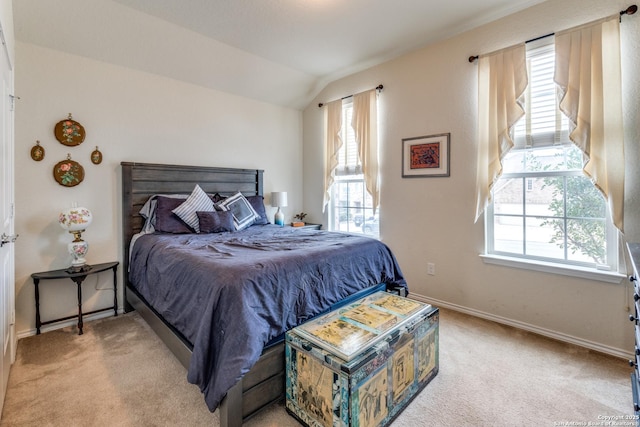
<point x="363" y="364"/>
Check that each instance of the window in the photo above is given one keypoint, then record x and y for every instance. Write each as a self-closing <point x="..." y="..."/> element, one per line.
<point x="544" y="208"/>
<point x="351" y="206"/>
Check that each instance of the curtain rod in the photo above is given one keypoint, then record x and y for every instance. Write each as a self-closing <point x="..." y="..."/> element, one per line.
<point x="379" y="88"/>
<point x="628" y="11"/>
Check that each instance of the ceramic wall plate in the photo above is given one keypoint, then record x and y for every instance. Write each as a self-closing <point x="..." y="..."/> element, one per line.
<point x="37" y="152"/>
<point x="69" y="132"/>
<point x="68" y="173"/>
<point x="96" y="157"/>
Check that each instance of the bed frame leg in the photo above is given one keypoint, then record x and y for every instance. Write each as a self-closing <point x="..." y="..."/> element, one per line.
<point x="231" y="407"/>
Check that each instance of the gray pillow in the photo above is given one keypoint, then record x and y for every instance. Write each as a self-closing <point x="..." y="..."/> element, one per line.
<point x="216" y="222"/>
<point x="165" y="220"/>
<point x="257" y="202"/>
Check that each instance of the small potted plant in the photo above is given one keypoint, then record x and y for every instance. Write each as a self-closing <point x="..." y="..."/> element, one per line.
<point x="299" y="219"/>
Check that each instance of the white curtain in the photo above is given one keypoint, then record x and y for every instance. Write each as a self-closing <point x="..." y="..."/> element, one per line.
<point x="333" y="142"/>
<point x="365" y="126"/>
<point x="502" y="79"/>
<point x="588" y="72"/>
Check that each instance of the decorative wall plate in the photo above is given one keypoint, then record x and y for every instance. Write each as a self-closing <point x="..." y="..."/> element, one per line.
<point x="37" y="152"/>
<point x="69" y="132"/>
<point x="96" y="156"/>
<point x="68" y="173"/>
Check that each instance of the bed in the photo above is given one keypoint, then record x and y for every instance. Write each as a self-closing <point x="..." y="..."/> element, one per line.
<point x="270" y="294"/>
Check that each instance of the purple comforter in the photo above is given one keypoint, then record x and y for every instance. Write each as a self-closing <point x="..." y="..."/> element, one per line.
<point x="231" y="293"/>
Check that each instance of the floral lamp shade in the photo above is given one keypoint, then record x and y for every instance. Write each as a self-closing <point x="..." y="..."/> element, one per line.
<point x="75" y="220"/>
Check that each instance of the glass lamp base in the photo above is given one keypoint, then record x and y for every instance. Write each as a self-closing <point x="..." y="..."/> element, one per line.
<point x="279" y="218"/>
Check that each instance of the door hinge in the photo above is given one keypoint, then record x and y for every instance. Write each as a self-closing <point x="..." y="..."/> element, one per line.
<point x="13" y="317"/>
<point x="4" y="239"/>
<point x="13" y="98"/>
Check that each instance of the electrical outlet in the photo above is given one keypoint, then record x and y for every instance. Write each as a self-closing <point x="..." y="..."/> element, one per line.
<point x="431" y="269"/>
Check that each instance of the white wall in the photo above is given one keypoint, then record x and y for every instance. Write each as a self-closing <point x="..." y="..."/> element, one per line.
<point x="433" y="91"/>
<point x="131" y="116"/>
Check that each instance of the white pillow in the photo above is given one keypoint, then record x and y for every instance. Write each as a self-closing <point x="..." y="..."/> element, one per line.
<point x="243" y="213"/>
<point x="197" y="201"/>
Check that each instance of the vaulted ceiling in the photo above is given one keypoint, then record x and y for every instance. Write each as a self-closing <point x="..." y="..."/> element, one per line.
<point x="277" y="51"/>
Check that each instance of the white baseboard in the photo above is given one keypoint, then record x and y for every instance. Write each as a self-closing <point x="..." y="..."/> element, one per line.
<point x="65" y="323"/>
<point x="617" y="352"/>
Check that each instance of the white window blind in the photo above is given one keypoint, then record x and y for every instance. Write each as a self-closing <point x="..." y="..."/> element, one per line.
<point x="545" y="125"/>
<point x="348" y="159"/>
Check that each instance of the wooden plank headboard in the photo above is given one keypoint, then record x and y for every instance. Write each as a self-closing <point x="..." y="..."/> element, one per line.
<point x="141" y="180"/>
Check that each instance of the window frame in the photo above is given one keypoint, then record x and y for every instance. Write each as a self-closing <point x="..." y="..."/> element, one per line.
<point x="527" y="177"/>
<point x="347" y="175"/>
<point x="347" y="180"/>
<point x="608" y="273"/>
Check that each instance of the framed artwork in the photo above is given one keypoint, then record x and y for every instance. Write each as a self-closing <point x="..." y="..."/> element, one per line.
<point x="37" y="152"/>
<point x="68" y="173"/>
<point x="426" y="156"/>
<point x="96" y="156"/>
<point x="69" y="132"/>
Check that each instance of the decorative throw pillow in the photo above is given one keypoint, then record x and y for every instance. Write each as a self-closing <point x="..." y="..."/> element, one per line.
<point x="257" y="202"/>
<point x="217" y="198"/>
<point x="197" y="201"/>
<point x="243" y="213"/>
<point x="165" y="220"/>
<point x="216" y="222"/>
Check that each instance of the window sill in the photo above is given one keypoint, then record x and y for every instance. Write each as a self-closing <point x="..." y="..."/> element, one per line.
<point x="548" y="267"/>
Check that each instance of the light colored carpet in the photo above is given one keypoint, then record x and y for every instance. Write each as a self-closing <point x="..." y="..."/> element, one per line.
<point x="120" y="374"/>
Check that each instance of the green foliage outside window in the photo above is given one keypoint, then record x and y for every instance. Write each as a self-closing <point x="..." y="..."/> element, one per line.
<point x="582" y="227"/>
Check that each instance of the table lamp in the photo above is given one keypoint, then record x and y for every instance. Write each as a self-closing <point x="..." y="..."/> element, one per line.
<point x="279" y="200"/>
<point x="75" y="220"/>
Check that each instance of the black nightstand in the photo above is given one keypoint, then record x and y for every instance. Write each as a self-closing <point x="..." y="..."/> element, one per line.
<point x="77" y="278"/>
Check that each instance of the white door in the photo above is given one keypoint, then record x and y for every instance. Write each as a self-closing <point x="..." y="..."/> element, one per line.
<point x="7" y="274"/>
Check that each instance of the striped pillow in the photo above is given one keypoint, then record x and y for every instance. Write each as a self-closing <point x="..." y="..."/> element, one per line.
<point x="197" y="201"/>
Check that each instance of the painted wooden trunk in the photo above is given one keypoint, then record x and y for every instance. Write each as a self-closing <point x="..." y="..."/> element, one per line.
<point x="362" y="364"/>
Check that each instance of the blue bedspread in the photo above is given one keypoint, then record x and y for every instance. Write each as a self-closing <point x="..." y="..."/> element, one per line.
<point x="230" y="293"/>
